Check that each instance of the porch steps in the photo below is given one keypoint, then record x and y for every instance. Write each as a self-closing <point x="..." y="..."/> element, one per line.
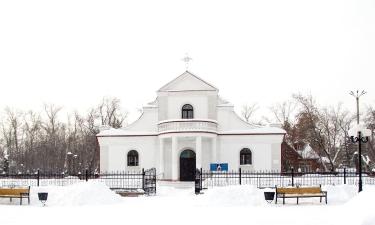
<point x="176" y="184"/>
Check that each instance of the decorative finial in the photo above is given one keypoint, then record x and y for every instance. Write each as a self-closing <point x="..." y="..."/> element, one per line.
<point x="186" y="59"/>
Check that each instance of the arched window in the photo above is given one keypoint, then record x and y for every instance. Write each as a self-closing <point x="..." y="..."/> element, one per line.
<point x="133" y="158"/>
<point x="245" y="157"/>
<point x="187" y="112"/>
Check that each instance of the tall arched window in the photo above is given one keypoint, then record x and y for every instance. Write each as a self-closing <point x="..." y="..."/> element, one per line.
<point x="133" y="158"/>
<point x="245" y="157"/>
<point x="187" y="112"/>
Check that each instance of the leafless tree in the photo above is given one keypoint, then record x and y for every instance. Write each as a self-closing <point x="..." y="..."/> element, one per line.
<point x="110" y="113"/>
<point x="324" y="128"/>
<point x="33" y="133"/>
<point x="370" y="122"/>
<point x="283" y="111"/>
<point x="248" y="111"/>
<point x="42" y="140"/>
<point x="309" y="128"/>
<point x="11" y="132"/>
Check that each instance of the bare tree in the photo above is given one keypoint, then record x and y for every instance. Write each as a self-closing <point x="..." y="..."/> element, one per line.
<point x="335" y="122"/>
<point x="325" y="129"/>
<point x="283" y="111"/>
<point x="110" y="113"/>
<point x="12" y="132"/>
<point x="41" y="141"/>
<point x="248" y="111"/>
<point x="309" y="128"/>
<point x="370" y="122"/>
<point x="33" y="133"/>
<point x="54" y="143"/>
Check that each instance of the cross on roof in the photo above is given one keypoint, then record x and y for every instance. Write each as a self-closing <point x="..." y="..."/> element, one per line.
<point x="186" y="59"/>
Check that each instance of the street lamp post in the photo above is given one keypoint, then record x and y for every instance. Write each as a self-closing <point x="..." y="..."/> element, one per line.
<point x="69" y="159"/>
<point x="74" y="163"/>
<point x="360" y="138"/>
<point x="359" y="134"/>
<point x="357" y="95"/>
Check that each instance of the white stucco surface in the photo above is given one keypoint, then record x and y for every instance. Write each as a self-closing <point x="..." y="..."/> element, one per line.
<point x="216" y="134"/>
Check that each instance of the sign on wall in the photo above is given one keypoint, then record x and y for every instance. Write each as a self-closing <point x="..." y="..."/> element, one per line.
<point x="219" y="167"/>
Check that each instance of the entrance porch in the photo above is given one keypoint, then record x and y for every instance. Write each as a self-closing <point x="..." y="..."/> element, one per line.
<point x="181" y="154"/>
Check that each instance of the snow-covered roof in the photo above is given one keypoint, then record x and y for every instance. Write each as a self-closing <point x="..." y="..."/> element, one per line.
<point x="308" y="153"/>
<point x="122" y="132"/>
<point x="257" y="130"/>
<point x="187" y="120"/>
<point x="254" y="131"/>
<point x="187" y="82"/>
<point x="325" y="159"/>
<point x="222" y="102"/>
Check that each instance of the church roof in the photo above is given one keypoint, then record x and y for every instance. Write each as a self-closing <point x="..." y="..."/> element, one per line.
<point x="187" y="82"/>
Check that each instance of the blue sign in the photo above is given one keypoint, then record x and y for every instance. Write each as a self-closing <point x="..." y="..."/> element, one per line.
<point x="219" y="167"/>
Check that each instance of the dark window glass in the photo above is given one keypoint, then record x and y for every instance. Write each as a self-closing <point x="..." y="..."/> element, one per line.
<point x="245" y="157"/>
<point x="187" y="112"/>
<point x="133" y="158"/>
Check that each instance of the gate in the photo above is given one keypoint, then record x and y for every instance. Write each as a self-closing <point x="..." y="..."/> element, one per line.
<point x="198" y="181"/>
<point x="149" y="181"/>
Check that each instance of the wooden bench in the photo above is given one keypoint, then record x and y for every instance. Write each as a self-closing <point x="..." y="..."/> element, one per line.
<point x="300" y="192"/>
<point x="15" y="193"/>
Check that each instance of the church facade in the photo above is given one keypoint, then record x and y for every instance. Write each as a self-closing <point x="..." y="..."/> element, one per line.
<point x="190" y="126"/>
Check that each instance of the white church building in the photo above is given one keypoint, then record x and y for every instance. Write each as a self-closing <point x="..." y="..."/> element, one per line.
<point x="190" y="126"/>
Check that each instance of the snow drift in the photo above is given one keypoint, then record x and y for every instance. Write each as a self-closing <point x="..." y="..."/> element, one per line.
<point x="85" y="193"/>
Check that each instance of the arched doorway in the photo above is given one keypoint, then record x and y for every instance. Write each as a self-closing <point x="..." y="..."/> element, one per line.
<point x="187" y="165"/>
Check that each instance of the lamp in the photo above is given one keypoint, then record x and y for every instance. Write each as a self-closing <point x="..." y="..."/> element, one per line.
<point x="359" y="134"/>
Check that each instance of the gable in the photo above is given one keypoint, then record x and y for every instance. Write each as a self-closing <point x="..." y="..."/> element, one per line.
<point x="187" y="82"/>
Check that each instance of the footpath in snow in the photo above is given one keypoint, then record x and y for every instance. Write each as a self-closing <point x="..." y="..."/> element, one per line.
<point x="93" y="203"/>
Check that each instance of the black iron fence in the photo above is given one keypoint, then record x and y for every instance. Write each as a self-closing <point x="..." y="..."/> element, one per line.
<point x="264" y="179"/>
<point x="135" y="181"/>
<point x="149" y="181"/>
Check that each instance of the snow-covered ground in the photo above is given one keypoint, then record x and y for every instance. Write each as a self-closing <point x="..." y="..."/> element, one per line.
<point x="93" y="203"/>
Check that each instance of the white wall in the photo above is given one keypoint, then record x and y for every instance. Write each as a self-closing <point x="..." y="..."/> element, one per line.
<point x="266" y="152"/>
<point x="203" y="102"/>
<point x="262" y="148"/>
<point x="266" y="149"/>
<point x="104" y="158"/>
<point x="147" y="121"/>
<point x="199" y="104"/>
<point x="115" y="149"/>
<point x="229" y="120"/>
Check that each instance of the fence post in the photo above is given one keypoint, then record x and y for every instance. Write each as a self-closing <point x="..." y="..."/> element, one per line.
<point x="37" y="177"/>
<point x="239" y="170"/>
<point x="197" y="181"/>
<point x="200" y="180"/>
<point x="143" y="179"/>
<point x="344" y="175"/>
<point x="87" y="175"/>
<point x="292" y="177"/>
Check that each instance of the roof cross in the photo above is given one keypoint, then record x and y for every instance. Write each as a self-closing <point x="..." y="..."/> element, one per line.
<point x="187" y="60"/>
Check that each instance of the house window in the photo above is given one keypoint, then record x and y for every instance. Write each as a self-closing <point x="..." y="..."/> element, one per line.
<point x="133" y="158"/>
<point x="187" y="112"/>
<point x="245" y="157"/>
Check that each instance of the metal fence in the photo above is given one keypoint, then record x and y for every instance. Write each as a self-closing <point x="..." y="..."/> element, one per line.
<point x="264" y="179"/>
<point x="134" y="181"/>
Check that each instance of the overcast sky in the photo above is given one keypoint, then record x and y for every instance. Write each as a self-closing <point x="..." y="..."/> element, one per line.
<point x="72" y="52"/>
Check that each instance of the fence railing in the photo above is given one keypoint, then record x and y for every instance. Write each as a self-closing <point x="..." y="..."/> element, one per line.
<point x="144" y="180"/>
<point x="264" y="179"/>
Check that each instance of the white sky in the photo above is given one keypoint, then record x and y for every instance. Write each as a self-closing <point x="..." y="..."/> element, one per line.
<point x="72" y="52"/>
